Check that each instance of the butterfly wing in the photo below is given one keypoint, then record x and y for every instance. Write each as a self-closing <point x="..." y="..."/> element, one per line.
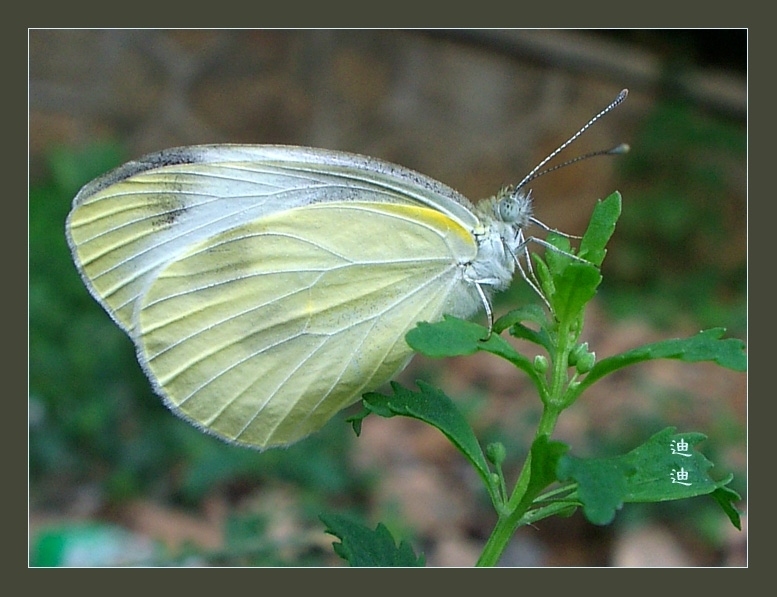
<point x="267" y="287"/>
<point x="128" y="224"/>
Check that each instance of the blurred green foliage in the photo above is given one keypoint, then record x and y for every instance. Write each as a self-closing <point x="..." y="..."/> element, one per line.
<point x="680" y="249"/>
<point x="94" y="420"/>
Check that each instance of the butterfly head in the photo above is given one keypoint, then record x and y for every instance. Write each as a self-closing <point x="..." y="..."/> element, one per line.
<point x="513" y="206"/>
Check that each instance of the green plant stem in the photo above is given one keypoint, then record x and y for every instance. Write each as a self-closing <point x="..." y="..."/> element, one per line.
<point x="560" y="377"/>
<point x="516" y="507"/>
<point x="497" y="542"/>
<point x="548" y="420"/>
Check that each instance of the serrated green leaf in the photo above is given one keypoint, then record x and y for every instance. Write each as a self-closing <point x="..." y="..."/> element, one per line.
<point x="558" y="260"/>
<point x="433" y="407"/>
<point x="533" y="313"/>
<point x="361" y="546"/>
<point x="450" y="337"/>
<point x="453" y="337"/>
<point x="545" y="456"/>
<point x="568" y="283"/>
<point x="514" y="321"/>
<point x="704" y="346"/>
<point x="602" y="485"/>
<point x="663" y="468"/>
<point x="726" y="498"/>
<point x="600" y="229"/>
<point x="541" y="337"/>
<point x="575" y="286"/>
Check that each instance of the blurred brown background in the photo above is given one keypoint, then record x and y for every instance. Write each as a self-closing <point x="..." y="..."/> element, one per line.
<point x="112" y="469"/>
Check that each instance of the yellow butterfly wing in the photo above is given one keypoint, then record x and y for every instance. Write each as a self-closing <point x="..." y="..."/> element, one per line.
<point x="127" y="224"/>
<point x="267" y="287"/>
<point x="262" y="333"/>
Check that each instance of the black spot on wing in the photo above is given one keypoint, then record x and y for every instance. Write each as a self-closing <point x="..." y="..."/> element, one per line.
<point x="167" y="207"/>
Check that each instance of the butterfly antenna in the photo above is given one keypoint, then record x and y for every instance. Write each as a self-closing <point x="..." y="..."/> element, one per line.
<point x="622" y="148"/>
<point x="617" y="150"/>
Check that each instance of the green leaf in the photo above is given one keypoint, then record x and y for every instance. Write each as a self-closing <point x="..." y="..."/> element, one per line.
<point x="362" y="546"/>
<point x="501" y="348"/>
<point x="433" y="407"/>
<point x="704" y="346"/>
<point x="545" y="456"/>
<point x="568" y="283"/>
<point x="532" y="312"/>
<point x="514" y="321"/>
<point x="541" y="337"/>
<point x="450" y="337"/>
<point x="575" y="286"/>
<point x="558" y="260"/>
<point x="543" y="273"/>
<point x="600" y="229"/>
<point x="663" y="468"/>
<point x="453" y="337"/>
<point x="726" y="498"/>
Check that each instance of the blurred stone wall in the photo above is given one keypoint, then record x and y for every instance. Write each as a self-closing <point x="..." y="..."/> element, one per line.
<point x="462" y="112"/>
<point x="476" y="110"/>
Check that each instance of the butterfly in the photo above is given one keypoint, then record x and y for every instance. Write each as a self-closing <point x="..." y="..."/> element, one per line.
<point x="267" y="287"/>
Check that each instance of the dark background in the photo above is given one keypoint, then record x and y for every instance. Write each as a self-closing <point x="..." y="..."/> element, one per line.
<point x="112" y="470"/>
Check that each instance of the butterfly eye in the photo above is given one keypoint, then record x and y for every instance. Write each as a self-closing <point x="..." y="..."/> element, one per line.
<point x="515" y="208"/>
